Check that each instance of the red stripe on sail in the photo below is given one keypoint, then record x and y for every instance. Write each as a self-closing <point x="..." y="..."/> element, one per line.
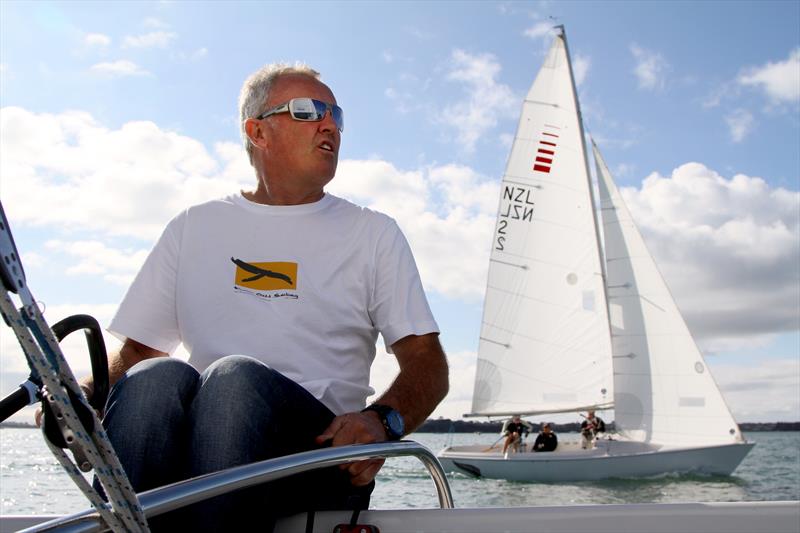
<point x="543" y="151"/>
<point x="549" y="134"/>
<point x="547" y="143"/>
<point x="542" y="168"/>
<point x="544" y="160"/>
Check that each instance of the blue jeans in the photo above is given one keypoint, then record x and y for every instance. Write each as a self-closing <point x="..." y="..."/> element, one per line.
<point x="167" y="423"/>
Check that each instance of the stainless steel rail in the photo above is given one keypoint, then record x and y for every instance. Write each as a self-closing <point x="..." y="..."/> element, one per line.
<point x="171" y="497"/>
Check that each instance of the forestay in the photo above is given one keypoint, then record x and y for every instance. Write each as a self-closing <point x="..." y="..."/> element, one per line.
<point x="664" y="390"/>
<point x="544" y="344"/>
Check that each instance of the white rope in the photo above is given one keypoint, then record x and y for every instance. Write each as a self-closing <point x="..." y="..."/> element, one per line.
<point x="45" y="358"/>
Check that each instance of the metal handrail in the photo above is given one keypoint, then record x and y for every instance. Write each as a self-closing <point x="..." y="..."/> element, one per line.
<point x="168" y="498"/>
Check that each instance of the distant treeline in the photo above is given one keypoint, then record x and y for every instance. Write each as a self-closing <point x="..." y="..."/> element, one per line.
<point x="445" y="425"/>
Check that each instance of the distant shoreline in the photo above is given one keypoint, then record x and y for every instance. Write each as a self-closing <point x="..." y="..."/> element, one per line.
<point x="445" y="425"/>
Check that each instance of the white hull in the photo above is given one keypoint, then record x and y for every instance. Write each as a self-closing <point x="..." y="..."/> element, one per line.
<point x="611" y="459"/>
<point x="739" y="517"/>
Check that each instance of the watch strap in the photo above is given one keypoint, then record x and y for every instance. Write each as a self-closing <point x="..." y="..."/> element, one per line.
<point x="383" y="412"/>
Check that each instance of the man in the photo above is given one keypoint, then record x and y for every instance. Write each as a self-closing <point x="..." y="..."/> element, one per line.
<point x="278" y="294"/>
<point x="546" y="441"/>
<point x="513" y="429"/>
<point x="590" y="427"/>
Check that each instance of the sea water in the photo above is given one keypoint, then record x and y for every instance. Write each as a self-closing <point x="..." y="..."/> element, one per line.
<point x="32" y="481"/>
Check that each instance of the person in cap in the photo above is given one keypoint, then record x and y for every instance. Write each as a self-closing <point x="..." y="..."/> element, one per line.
<point x="514" y="430"/>
<point x="546" y="441"/>
<point x="590" y="427"/>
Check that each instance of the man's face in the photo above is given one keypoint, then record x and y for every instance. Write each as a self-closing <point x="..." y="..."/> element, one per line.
<point x="303" y="151"/>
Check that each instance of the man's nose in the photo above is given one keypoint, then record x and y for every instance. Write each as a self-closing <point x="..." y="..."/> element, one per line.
<point x="327" y="124"/>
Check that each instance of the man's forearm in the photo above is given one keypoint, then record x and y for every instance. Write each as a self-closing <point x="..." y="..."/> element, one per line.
<point x="120" y="361"/>
<point x="422" y="382"/>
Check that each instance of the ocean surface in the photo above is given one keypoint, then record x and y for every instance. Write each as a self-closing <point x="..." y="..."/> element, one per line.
<point x="32" y="482"/>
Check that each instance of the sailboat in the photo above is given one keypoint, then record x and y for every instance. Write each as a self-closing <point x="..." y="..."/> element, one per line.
<point x="570" y="325"/>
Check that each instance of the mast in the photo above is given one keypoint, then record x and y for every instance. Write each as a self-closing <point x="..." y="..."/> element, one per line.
<point x="589" y="178"/>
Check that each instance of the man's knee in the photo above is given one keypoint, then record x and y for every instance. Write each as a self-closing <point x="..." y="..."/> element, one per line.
<point x="154" y="379"/>
<point x="239" y="371"/>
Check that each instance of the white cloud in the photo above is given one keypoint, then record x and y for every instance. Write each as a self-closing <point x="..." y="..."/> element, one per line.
<point x="96" y="258"/>
<point x="73" y="346"/>
<point x="97" y="39"/>
<point x="153" y="22"/>
<point x="650" y="68"/>
<point x="33" y="259"/>
<point x="120" y="68"/>
<point x="779" y="81"/>
<point x="768" y="394"/>
<point x="623" y="170"/>
<point x="540" y="30"/>
<point x="580" y="68"/>
<point x="197" y="55"/>
<point x="447" y="213"/>
<point x="486" y="99"/>
<point x="156" y="39"/>
<point x="105" y="180"/>
<point x="404" y="102"/>
<point x="740" y="123"/>
<point x="728" y="249"/>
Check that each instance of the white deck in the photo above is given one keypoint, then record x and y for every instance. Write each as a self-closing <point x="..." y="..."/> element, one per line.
<point x="749" y="517"/>
<point x="740" y="517"/>
<point x="744" y="517"/>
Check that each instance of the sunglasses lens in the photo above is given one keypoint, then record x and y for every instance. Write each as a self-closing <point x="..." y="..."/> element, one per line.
<point x="304" y="109"/>
<point x="336" y="113"/>
<point x="338" y="117"/>
<point x="309" y="109"/>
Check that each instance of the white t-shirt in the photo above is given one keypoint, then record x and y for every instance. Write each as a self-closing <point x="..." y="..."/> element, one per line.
<point x="304" y="288"/>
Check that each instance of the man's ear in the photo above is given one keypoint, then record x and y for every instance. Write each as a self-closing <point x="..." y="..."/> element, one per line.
<point x="255" y="132"/>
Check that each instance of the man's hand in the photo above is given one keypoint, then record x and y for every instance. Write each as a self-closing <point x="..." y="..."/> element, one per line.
<point x="119" y="361"/>
<point x="415" y="392"/>
<point x="356" y="428"/>
<point x="87" y="391"/>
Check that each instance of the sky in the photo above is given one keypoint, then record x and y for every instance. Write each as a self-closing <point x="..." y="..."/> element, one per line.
<point x="116" y="116"/>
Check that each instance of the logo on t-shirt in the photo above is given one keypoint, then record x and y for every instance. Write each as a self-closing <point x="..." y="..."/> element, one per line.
<point x="269" y="280"/>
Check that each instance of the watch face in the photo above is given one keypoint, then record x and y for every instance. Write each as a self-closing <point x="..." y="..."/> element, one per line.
<point x="395" y="422"/>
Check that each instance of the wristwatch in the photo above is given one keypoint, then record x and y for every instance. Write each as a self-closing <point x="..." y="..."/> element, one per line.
<point x="391" y="419"/>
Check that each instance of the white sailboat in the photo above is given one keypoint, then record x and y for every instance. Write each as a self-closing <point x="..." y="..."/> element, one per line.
<point x="566" y="328"/>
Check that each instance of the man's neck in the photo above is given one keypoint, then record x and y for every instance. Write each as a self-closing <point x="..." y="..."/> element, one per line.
<point x="275" y="196"/>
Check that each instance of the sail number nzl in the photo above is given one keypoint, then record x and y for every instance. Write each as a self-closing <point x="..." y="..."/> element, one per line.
<point x="516" y="204"/>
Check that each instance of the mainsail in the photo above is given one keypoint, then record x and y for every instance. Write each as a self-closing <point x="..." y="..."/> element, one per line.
<point x="664" y="390"/>
<point x="544" y="344"/>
